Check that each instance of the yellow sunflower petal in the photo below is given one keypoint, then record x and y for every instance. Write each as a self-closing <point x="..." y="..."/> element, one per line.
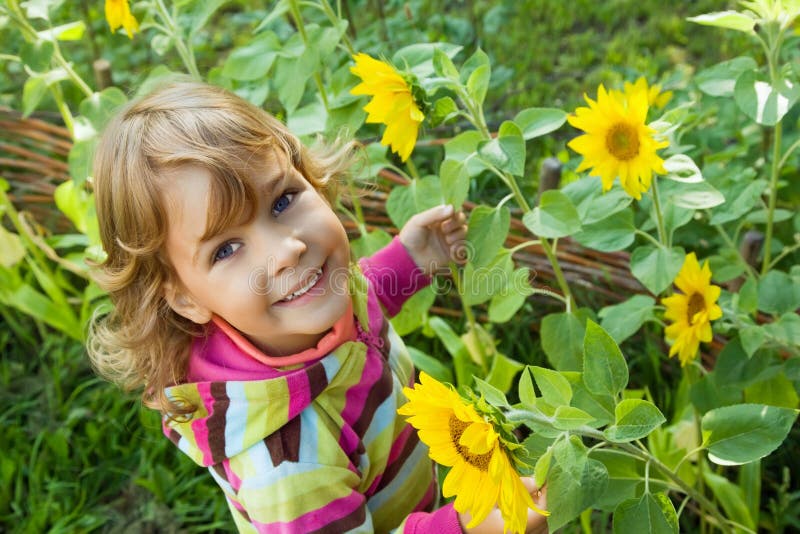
<point x="392" y="103"/>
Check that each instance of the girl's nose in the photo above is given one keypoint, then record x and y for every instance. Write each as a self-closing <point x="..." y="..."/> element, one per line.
<point x="287" y="253"/>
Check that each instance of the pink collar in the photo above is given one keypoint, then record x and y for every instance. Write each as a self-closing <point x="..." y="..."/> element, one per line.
<point x="342" y="331"/>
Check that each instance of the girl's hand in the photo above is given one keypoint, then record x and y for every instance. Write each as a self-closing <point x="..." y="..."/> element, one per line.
<point x="436" y="237"/>
<point x="493" y="524"/>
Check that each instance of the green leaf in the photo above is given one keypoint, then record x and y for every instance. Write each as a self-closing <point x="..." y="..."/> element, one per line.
<point x="764" y="103"/>
<point x="527" y="395"/>
<point x="535" y="122"/>
<point x="562" y="335"/>
<point x="419" y="57"/>
<point x="743" y="433"/>
<point x="586" y="194"/>
<point x="201" y="12"/>
<point x="657" y="267"/>
<point x="634" y="419"/>
<point x="777" y="293"/>
<point x="720" y="80"/>
<point x="625" y="477"/>
<point x="623" y="320"/>
<point x="739" y="201"/>
<point x="72" y="31"/>
<point x="503" y="371"/>
<point x="570" y="418"/>
<point x="775" y="391"/>
<point x="463" y="148"/>
<point x="542" y="467"/>
<point x="731" y="497"/>
<point x="414" y="312"/>
<point x="482" y="283"/>
<point x="458" y="350"/>
<point x="613" y="233"/>
<point x="506" y="151"/>
<point x="486" y="233"/>
<point x="653" y="513"/>
<point x="406" y="201"/>
<point x="696" y="196"/>
<point x="11" y="249"/>
<point x="37" y="55"/>
<point x="554" y="387"/>
<point x="444" y="109"/>
<point x="309" y="119"/>
<point x="443" y="65"/>
<point x="682" y="168"/>
<point x="253" y="60"/>
<point x="510" y="299"/>
<point x="477" y="59"/>
<point x="478" y="83"/>
<point x="80" y="160"/>
<point x="431" y="365"/>
<point x="32" y="93"/>
<point x="605" y="371"/>
<point x="732" y="20"/>
<point x="455" y="182"/>
<point x="369" y="243"/>
<point x="786" y="330"/>
<point x="554" y="217"/>
<point x="493" y="395"/>
<point x="100" y="107"/>
<point x="575" y="494"/>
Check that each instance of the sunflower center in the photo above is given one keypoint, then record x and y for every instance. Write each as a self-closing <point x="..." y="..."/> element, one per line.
<point x="696" y="304"/>
<point x="622" y="141"/>
<point x="480" y="461"/>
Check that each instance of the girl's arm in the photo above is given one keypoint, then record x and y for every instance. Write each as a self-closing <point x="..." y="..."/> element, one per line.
<point x="428" y="242"/>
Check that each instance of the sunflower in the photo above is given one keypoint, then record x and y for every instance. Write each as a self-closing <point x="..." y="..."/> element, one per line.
<point x="617" y="142"/>
<point x="692" y="311"/>
<point x="118" y="14"/>
<point x="392" y="103"/>
<point x="655" y="98"/>
<point x="481" y="474"/>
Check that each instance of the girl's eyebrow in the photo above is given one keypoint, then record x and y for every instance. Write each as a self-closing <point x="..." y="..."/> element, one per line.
<point x="266" y="190"/>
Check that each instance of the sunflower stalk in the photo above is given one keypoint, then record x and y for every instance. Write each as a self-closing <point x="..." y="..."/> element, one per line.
<point x="474" y="113"/>
<point x="185" y="52"/>
<point x="297" y="17"/>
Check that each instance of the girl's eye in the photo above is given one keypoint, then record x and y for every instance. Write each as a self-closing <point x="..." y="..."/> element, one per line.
<point x="226" y="251"/>
<point x="282" y="202"/>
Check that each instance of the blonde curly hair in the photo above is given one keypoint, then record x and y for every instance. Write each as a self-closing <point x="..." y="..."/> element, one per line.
<point x="142" y="342"/>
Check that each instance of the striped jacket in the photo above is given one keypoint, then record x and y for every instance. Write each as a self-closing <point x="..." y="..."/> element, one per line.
<point x="319" y="447"/>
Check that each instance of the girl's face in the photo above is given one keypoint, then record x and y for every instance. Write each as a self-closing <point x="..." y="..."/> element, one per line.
<point x="281" y="279"/>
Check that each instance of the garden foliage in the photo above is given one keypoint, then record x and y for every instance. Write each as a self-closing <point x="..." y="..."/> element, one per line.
<point x="695" y="181"/>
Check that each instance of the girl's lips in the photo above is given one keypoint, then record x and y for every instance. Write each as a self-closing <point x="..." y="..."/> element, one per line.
<point x="310" y="293"/>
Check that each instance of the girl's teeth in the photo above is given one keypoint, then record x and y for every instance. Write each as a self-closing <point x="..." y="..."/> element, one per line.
<point x="304" y="289"/>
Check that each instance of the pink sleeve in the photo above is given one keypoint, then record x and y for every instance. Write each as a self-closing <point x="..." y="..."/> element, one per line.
<point x="442" y="521"/>
<point x="394" y="276"/>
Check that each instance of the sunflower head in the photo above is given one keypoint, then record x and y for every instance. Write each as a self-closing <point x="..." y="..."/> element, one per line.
<point x="395" y="102"/>
<point x="692" y="310"/>
<point x="617" y="142"/>
<point x="482" y="473"/>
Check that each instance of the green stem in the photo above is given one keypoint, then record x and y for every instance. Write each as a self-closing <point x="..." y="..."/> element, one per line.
<point x="773" y="196"/>
<point x="732" y="245"/>
<point x="66" y="114"/>
<point x="454" y="272"/>
<point x="412" y="169"/>
<point x="335" y="20"/>
<point x="526" y="244"/>
<point x="652" y="239"/>
<point x="783" y="254"/>
<point x="184" y="51"/>
<point x="297" y="16"/>
<point x="662" y="233"/>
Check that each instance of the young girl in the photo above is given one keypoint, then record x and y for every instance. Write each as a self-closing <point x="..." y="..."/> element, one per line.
<point x="237" y="309"/>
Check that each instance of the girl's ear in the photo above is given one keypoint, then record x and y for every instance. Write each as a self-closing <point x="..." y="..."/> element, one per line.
<point x="184" y="305"/>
